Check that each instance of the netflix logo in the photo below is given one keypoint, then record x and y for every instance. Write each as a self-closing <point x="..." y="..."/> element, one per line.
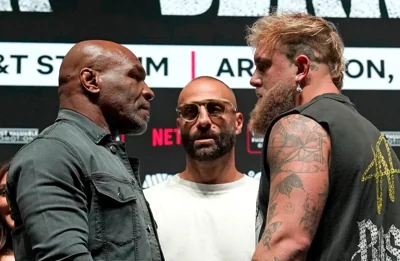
<point x="165" y="137"/>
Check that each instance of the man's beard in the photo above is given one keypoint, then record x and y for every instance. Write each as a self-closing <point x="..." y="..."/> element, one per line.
<point x="128" y="122"/>
<point x="137" y="125"/>
<point x="134" y="125"/>
<point x="279" y="99"/>
<point x="223" y="143"/>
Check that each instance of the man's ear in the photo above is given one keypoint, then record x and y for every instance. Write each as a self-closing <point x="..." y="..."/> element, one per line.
<point x="89" y="80"/>
<point x="303" y="64"/>
<point x="239" y="123"/>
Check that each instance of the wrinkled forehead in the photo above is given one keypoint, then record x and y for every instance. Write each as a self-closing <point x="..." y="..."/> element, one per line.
<point x="201" y="91"/>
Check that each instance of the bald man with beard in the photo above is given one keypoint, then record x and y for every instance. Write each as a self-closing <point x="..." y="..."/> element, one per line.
<point x="208" y="211"/>
<point x="73" y="191"/>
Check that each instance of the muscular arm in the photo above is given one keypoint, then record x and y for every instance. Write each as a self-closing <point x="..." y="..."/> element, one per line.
<point x="45" y="188"/>
<point x="298" y="157"/>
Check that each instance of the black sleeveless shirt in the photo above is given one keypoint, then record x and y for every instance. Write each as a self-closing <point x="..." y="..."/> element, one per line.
<point x="361" y="219"/>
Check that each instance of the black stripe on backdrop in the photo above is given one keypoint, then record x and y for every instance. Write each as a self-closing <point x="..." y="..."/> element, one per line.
<point x="36" y="107"/>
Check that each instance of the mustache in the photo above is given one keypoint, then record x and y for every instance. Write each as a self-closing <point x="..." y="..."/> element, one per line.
<point x="204" y="135"/>
<point x="144" y="105"/>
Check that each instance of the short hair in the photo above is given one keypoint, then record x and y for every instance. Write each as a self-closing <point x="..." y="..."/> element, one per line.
<point x="301" y="33"/>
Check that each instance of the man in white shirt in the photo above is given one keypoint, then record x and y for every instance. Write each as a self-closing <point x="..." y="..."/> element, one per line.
<point x="208" y="211"/>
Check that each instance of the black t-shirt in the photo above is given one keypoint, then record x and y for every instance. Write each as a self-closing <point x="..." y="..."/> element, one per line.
<point x="361" y="219"/>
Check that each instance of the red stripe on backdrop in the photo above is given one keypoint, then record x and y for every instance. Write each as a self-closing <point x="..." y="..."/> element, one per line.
<point x="193" y="65"/>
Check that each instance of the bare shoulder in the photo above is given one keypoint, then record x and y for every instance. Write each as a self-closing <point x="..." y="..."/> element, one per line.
<point x="298" y="139"/>
<point x="299" y="125"/>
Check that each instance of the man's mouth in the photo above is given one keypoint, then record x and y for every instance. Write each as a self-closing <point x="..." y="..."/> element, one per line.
<point x="205" y="137"/>
<point x="204" y="141"/>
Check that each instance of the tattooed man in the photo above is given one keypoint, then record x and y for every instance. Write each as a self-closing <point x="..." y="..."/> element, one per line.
<point x="328" y="173"/>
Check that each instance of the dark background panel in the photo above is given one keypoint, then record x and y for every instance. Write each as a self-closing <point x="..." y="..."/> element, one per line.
<point x="36" y="107"/>
<point x="380" y="107"/>
<point x="25" y="107"/>
<point x="141" y="22"/>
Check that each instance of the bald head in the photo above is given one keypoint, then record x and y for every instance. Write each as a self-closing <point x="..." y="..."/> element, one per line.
<point x="206" y="87"/>
<point x="93" y="54"/>
<point x="105" y="81"/>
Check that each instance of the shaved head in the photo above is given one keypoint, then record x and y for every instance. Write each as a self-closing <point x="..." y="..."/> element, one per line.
<point x="94" y="54"/>
<point x="212" y="132"/>
<point x="105" y="80"/>
<point x="206" y="87"/>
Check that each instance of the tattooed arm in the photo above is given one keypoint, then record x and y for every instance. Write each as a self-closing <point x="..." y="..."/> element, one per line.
<point x="298" y="158"/>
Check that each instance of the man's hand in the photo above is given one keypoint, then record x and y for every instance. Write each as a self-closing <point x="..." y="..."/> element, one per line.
<point x="298" y="158"/>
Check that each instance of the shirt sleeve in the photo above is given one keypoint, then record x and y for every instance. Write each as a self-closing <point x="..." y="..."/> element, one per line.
<point x="50" y="198"/>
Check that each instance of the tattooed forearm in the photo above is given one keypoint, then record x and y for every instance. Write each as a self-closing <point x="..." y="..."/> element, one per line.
<point x="269" y="231"/>
<point x="297" y="139"/>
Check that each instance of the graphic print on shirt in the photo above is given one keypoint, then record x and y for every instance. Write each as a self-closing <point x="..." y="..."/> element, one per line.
<point x="381" y="166"/>
<point x="375" y="245"/>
